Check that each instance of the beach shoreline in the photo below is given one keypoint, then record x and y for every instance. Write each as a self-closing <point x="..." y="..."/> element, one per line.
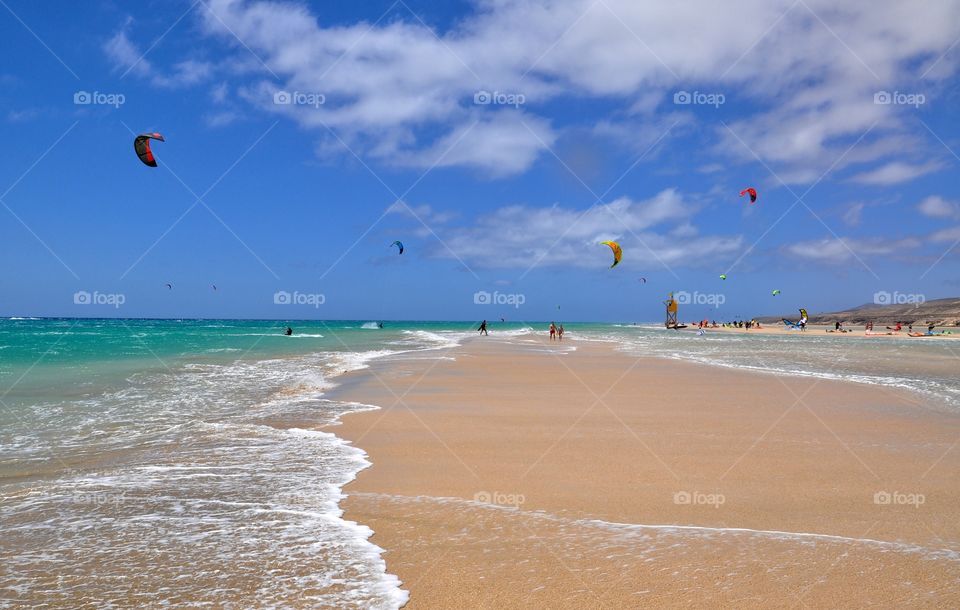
<point x="601" y="472"/>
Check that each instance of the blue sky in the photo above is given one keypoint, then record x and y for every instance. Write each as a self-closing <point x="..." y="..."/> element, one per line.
<point x="499" y="140"/>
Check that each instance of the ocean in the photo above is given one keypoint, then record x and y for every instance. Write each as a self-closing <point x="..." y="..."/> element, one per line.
<point x="179" y="462"/>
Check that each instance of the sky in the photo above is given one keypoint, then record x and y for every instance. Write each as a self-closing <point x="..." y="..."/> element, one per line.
<point x="499" y="140"/>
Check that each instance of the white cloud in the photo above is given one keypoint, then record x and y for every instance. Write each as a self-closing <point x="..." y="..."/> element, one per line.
<point x="222" y="119"/>
<point x="935" y="206"/>
<point x="124" y="53"/>
<point x="805" y="73"/>
<point x="422" y="212"/>
<point x="219" y="93"/>
<point x="896" y="172"/>
<point x="20" y="116"/>
<point x="951" y="235"/>
<point x="501" y="145"/>
<point x="185" y="73"/>
<point x="522" y="236"/>
<point x="854" y="214"/>
<point x="128" y="57"/>
<point x="842" y="250"/>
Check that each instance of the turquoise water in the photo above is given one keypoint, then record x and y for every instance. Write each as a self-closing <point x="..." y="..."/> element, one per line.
<point x="133" y="450"/>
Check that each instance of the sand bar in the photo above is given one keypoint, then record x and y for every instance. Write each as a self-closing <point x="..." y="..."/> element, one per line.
<point x="525" y="475"/>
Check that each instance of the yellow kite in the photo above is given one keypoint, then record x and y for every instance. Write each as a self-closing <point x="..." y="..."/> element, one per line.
<point x="617" y="252"/>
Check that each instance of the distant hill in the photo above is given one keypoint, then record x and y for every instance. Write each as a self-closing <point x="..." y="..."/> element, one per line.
<point x="942" y="312"/>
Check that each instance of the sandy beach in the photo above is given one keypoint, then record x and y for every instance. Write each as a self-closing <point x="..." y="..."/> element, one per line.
<point x="527" y="474"/>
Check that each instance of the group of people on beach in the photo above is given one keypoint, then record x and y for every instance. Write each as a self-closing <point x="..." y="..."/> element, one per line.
<point x="747" y="324"/>
<point x="556" y="332"/>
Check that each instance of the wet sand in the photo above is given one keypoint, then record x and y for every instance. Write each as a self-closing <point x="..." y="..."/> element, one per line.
<point x="525" y="475"/>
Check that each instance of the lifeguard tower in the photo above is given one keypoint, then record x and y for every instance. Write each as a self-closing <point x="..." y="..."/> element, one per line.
<point x="671" y="304"/>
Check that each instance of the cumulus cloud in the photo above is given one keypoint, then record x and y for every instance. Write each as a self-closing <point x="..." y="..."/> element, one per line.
<point x="896" y="172"/>
<point x="854" y="214"/>
<point x="653" y="232"/>
<point x="423" y="212"/>
<point x="20" y="116"/>
<point x="128" y="57"/>
<point x="804" y="74"/>
<point x="842" y="250"/>
<point x="949" y="235"/>
<point x="124" y="53"/>
<point x="935" y="206"/>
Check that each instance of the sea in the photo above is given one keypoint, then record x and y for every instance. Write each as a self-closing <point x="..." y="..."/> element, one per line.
<point x="195" y="463"/>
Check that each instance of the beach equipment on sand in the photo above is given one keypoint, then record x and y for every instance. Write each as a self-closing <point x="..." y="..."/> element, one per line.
<point x="617" y="252"/>
<point x="141" y="144"/>
<point x="799" y="323"/>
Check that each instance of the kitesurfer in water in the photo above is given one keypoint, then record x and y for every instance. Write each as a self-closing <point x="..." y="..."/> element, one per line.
<point x="288" y="332"/>
<point x="483" y="328"/>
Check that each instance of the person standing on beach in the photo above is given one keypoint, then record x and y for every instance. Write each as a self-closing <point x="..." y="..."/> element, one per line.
<point x="560" y="332"/>
<point x="483" y="328"/>
<point x="553" y="331"/>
